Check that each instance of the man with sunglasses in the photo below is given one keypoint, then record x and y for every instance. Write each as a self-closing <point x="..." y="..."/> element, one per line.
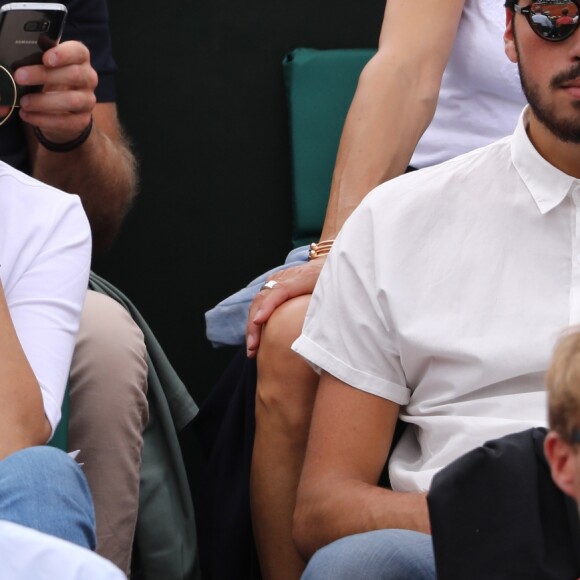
<point x="439" y="304"/>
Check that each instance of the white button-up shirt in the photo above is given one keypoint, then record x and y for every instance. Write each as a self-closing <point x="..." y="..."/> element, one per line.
<point x="446" y="292"/>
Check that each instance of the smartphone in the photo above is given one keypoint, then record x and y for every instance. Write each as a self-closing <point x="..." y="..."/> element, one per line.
<point x="27" y="29"/>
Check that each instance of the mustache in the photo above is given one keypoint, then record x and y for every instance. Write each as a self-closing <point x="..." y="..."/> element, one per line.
<point x="566" y="76"/>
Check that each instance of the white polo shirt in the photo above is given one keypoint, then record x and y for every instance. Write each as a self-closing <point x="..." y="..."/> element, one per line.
<point x="445" y="292"/>
<point x="45" y="255"/>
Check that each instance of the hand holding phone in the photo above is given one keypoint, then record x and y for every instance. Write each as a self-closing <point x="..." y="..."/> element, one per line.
<point x="27" y="30"/>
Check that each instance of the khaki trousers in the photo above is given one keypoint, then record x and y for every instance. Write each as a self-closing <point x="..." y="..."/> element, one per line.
<point x="108" y="412"/>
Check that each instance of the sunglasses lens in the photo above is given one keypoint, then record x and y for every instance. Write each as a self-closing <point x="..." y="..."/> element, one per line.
<point x="554" y="21"/>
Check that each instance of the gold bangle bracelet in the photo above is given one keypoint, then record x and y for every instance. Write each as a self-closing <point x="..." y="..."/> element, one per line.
<point x="320" y="249"/>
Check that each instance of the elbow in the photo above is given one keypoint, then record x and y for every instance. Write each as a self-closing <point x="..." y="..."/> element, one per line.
<point x="44" y="431"/>
<point x="35" y="428"/>
<point x="28" y="421"/>
<point x="21" y="433"/>
<point x="36" y="434"/>
<point x="305" y="528"/>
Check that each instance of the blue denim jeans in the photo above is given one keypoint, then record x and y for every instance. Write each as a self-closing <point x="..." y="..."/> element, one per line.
<point x="43" y="488"/>
<point x="382" y="554"/>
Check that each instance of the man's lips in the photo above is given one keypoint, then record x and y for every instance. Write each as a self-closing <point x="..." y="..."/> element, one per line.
<point x="575" y="82"/>
<point x="572" y="88"/>
<point x="569" y="78"/>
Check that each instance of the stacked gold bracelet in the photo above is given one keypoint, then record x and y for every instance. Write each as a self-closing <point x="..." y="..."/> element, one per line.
<point x="320" y="249"/>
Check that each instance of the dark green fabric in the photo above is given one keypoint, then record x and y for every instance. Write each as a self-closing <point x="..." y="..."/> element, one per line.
<point x="320" y="85"/>
<point x="166" y="536"/>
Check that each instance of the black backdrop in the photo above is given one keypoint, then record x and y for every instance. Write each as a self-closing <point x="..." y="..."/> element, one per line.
<point x="201" y="95"/>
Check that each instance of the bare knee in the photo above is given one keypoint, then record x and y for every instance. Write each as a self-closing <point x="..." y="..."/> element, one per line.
<point x="286" y="383"/>
<point x="282" y="329"/>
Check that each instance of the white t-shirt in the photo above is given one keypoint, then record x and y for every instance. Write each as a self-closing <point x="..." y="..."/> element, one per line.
<point x="445" y="292"/>
<point x="27" y="554"/>
<point x="45" y="254"/>
<point x="481" y="96"/>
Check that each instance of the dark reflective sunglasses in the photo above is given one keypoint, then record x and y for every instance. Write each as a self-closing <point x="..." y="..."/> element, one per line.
<point x="550" y="19"/>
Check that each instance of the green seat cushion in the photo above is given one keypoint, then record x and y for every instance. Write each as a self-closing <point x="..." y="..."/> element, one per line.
<point x="320" y="85"/>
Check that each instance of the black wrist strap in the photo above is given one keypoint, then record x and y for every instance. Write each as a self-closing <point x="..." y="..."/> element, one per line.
<point x="69" y="145"/>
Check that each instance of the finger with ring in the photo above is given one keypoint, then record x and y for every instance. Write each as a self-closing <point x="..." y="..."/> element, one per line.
<point x="269" y="285"/>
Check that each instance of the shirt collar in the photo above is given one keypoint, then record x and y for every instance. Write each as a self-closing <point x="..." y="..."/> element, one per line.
<point x="547" y="184"/>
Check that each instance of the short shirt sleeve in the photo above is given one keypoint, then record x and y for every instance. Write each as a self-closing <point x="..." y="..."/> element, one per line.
<point x="348" y="331"/>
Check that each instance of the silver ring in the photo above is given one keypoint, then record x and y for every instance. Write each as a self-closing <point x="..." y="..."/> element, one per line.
<point x="269" y="285"/>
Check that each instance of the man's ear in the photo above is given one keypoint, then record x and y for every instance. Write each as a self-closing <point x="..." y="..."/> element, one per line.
<point x="560" y="456"/>
<point x="508" y="36"/>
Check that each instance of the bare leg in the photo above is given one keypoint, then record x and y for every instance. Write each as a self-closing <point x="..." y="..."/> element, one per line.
<point x="284" y="399"/>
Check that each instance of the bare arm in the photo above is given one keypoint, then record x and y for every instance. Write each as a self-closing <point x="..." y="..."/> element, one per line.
<point x="394" y="103"/>
<point x="350" y="437"/>
<point x="102" y="171"/>
<point x="22" y="419"/>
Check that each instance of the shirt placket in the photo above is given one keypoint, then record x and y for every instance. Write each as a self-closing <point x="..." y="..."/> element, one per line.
<point x="575" y="286"/>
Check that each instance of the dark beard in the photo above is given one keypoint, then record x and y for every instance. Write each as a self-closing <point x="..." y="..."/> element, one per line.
<point x="566" y="130"/>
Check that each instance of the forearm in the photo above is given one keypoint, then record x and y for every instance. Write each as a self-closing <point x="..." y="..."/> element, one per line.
<point x="334" y="510"/>
<point x="106" y="180"/>
<point x="338" y="495"/>
<point x="393" y="105"/>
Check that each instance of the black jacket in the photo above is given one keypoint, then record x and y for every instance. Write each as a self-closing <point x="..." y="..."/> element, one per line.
<point x="496" y="514"/>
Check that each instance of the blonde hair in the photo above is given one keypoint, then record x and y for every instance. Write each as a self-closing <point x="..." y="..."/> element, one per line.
<point x="563" y="382"/>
